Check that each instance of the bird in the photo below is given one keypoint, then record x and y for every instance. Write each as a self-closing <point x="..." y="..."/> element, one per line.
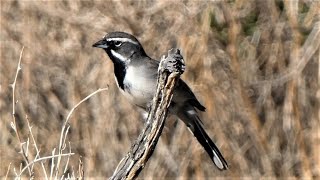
<point x="136" y="76"/>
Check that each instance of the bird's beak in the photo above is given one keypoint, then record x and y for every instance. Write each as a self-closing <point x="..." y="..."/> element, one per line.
<point x="101" y="44"/>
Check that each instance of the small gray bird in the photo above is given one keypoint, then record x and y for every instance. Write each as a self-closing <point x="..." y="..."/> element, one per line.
<point x="136" y="75"/>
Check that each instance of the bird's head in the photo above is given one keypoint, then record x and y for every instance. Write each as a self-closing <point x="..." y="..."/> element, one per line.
<point x="120" y="46"/>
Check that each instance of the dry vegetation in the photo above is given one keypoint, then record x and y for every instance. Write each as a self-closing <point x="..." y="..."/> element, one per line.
<point x="253" y="64"/>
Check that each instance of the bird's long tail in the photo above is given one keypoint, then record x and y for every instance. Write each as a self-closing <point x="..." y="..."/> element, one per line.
<point x="207" y="144"/>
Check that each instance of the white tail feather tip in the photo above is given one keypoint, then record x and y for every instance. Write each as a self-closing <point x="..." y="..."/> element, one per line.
<point x="218" y="162"/>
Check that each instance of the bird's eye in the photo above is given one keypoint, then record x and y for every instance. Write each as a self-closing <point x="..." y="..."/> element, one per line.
<point x="117" y="43"/>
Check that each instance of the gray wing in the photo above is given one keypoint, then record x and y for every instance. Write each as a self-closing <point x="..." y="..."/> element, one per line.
<point x="183" y="94"/>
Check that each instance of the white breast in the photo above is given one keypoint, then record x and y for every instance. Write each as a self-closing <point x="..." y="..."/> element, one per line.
<point x="139" y="87"/>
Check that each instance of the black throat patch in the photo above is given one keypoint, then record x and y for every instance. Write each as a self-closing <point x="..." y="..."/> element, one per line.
<point x="119" y="69"/>
<point x="120" y="73"/>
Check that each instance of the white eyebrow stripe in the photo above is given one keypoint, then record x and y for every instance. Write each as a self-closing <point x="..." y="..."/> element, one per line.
<point x="123" y="40"/>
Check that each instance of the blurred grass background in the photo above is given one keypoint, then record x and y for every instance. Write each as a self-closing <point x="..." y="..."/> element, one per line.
<point x="254" y="65"/>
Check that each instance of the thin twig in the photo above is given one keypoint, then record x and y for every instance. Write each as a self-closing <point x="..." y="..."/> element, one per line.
<point x="8" y="171"/>
<point x="68" y="159"/>
<point x="14" y="124"/>
<point x="80" y="169"/>
<point x="36" y="148"/>
<point x="52" y="163"/>
<point x="64" y="131"/>
<point x="44" y="158"/>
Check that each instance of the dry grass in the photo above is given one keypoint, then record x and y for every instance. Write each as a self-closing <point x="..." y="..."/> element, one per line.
<point x="254" y="64"/>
